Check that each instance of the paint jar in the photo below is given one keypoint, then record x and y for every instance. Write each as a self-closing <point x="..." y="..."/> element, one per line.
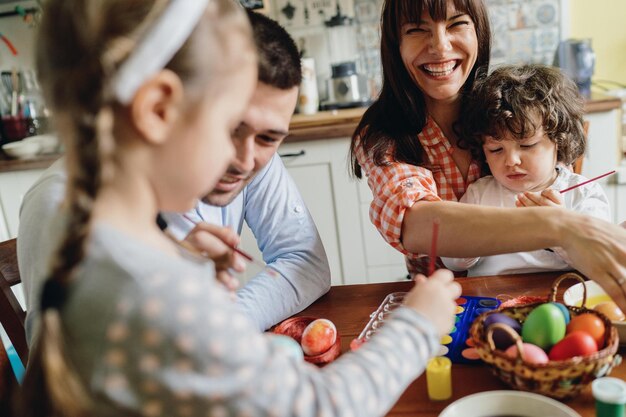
<point x="610" y="396"/>
<point x="308" y="98"/>
<point x="439" y="378"/>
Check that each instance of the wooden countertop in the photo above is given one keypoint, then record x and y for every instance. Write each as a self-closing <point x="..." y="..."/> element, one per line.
<point x="341" y="123"/>
<point x="349" y="308"/>
<point x="322" y="125"/>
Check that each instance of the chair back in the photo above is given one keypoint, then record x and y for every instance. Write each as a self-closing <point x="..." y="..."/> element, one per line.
<point x="12" y="314"/>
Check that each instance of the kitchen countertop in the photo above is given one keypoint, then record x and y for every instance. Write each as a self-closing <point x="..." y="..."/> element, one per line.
<point x="321" y="125"/>
<point x="341" y="123"/>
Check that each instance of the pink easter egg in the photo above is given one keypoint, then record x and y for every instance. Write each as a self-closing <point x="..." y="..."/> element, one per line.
<point x="318" y="337"/>
<point x="531" y="353"/>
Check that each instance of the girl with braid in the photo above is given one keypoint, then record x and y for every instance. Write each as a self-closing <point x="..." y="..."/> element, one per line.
<point x="145" y="95"/>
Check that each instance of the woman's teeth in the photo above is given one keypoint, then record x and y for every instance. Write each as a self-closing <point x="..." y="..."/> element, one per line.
<point x="440" y="70"/>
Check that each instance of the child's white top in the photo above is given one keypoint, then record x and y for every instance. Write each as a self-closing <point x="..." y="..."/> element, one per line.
<point x="589" y="199"/>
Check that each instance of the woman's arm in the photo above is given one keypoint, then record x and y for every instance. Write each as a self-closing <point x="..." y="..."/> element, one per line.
<point x="595" y="247"/>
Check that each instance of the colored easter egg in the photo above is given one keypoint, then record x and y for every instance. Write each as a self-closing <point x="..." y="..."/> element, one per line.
<point x="287" y="345"/>
<point x="318" y="337"/>
<point x="530" y="353"/>
<point x="502" y="339"/>
<point x="610" y="310"/>
<point x="576" y="343"/>
<point x="504" y="319"/>
<point x="564" y="310"/>
<point x="544" y="326"/>
<point x="589" y="323"/>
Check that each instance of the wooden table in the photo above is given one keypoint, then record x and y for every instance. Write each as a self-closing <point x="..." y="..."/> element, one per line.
<point x="349" y="308"/>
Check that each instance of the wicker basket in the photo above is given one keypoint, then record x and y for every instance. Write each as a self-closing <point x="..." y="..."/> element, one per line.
<point x="556" y="379"/>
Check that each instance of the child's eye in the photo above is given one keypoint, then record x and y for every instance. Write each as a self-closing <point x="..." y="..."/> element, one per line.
<point x="496" y="150"/>
<point x="530" y="145"/>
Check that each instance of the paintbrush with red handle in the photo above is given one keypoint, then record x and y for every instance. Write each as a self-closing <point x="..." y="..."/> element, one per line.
<point x="587" y="182"/>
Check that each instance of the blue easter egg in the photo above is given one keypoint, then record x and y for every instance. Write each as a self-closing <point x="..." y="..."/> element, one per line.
<point x="564" y="310"/>
<point x="287" y="345"/>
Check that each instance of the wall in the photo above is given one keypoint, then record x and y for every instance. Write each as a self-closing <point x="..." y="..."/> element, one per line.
<point x="20" y="34"/>
<point x="603" y="22"/>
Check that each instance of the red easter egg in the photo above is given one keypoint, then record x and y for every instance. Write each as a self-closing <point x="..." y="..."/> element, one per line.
<point x="318" y="337"/>
<point x="591" y="324"/>
<point x="531" y="353"/>
<point x="576" y="343"/>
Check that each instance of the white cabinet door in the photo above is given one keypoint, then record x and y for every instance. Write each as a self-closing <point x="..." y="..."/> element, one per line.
<point x="604" y="153"/>
<point x="13" y="186"/>
<point x="321" y="174"/>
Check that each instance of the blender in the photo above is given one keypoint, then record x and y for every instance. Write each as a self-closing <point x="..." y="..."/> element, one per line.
<point x="577" y="60"/>
<point x="346" y="88"/>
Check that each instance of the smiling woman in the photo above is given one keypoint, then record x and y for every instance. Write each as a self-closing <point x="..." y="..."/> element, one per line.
<point x="406" y="145"/>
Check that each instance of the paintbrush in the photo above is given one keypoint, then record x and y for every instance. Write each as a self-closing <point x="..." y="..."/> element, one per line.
<point x="433" y="248"/>
<point x="246" y="256"/>
<point x="587" y="182"/>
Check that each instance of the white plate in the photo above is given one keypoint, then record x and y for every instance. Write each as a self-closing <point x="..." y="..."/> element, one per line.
<point x="49" y="143"/>
<point x="507" y="403"/>
<point x="22" y="150"/>
<point x="574" y="295"/>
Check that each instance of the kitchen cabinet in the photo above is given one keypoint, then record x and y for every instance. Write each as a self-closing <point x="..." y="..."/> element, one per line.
<point x="13" y="186"/>
<point x="604" y="154"/>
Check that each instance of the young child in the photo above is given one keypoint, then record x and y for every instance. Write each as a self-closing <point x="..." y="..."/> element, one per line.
<point x="145" y="95"/>
<point x="526" y="124"/>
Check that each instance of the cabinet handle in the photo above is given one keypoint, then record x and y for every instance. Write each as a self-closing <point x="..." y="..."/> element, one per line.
<point x="293" y="154"/>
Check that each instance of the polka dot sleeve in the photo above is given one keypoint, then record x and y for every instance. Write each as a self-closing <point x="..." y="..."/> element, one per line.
<point x="177" y="346"/>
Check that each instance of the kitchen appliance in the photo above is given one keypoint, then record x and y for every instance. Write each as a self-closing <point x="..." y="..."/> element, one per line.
<point x="577" y="60"/>
<point x="346" y="88"/>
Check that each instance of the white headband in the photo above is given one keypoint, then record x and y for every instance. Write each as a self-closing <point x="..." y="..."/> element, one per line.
<point x="160" y="43"/>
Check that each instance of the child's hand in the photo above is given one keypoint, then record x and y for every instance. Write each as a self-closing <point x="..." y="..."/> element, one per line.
<point x="434" y="298"/>
<point x="548" y="197"/>
<point x="214" y="242"/>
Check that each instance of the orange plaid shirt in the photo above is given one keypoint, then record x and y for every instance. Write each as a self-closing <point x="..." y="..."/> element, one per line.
<point x="396" y="186"/>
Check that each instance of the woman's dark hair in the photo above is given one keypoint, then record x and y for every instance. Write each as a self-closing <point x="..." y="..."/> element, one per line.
<point x="399" y="114"/>
<point x="517" y="100"/>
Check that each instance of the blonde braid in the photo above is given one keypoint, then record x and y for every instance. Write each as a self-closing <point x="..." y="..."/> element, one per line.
<point x="51" y="386"/>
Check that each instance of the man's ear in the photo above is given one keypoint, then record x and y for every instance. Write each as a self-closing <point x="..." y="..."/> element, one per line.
<point x="156" y="107"/>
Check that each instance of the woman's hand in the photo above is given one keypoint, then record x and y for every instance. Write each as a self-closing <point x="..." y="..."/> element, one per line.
<point x="215" y="243"/>
<point x="434" y="298"/>
<point x="547" y="197"/>
<point x="598" y="250"/>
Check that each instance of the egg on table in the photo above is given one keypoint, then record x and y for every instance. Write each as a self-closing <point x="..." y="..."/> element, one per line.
<point x="318" y="337"/>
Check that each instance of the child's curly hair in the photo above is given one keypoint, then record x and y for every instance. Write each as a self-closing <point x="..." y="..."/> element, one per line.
<point x="512" y="99"/>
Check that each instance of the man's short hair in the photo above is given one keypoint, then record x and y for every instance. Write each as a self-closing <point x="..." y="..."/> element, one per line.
<point x="279" y="59"/>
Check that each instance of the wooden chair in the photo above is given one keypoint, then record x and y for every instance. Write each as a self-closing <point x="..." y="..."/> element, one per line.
<point x="12" y="317"/>
<point x="577" y="166"/>
<point x="12" y="314"/>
